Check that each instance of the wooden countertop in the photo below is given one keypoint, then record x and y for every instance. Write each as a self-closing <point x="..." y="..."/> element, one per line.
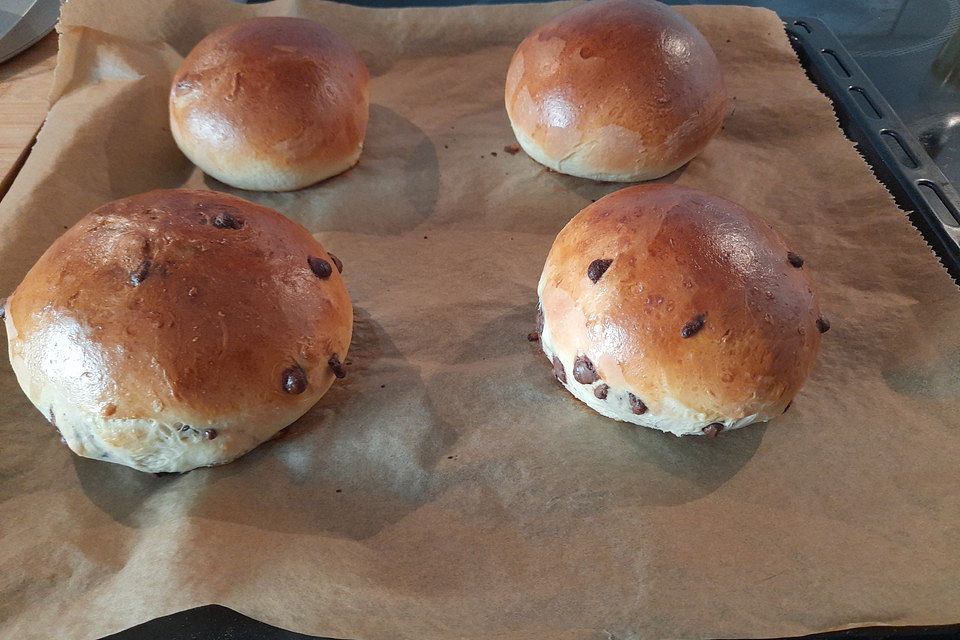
<point x="25" y="82"/>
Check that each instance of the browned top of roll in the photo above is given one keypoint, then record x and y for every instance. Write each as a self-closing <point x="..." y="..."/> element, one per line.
<point x="191" y="302"/>
<point x="634" y="64"/>
<point x="702" y="303"/>
<point x="287" y="89"/>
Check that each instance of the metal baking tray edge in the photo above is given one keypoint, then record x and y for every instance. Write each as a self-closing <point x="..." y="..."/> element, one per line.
<point x="214" y="622"/>
<point x="896" y="156"/>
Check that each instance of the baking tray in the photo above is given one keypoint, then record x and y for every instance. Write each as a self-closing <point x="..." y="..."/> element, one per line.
<point x="899" y="162"/>
<point x="214" y="622"/>
<point x="897" y="158"/>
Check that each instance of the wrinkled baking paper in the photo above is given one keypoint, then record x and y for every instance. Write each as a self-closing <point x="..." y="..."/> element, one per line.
<point x="449" y="487"/>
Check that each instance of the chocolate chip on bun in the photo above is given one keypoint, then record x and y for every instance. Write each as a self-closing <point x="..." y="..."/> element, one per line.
<point x="617" y="90"/>
<point x="676" y="309"/>
<point x="178" y="329"/>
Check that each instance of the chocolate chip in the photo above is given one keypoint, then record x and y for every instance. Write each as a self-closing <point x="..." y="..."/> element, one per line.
<point x="540" y="321"/>
<point x="584" y="371"/>
<point x="512" y="149"/>
<point x="597" y="268"/>
<point x="558" y="370"/>
<point x="712" y="429"/>
<point x="794" y="259"/>
<point x="336" y="367"/>
<point x="209" y="434"/>
<point x="533" y="336"/>
<point x="320" y="267"/>
<point x="141" y="273"/>
<point x="226" y="220"/>
<point x="693" y="326"/>
<point x="294" y="379"/>
<point x="601" y="391"/>
<point x="823" y="325"/>
<point x="3" y="309"/>
<point x="636" y="405"/>
<point x="336" y="262"/>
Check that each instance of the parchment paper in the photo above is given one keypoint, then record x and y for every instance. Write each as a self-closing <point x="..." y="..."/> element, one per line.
<point x="448" y="487"/>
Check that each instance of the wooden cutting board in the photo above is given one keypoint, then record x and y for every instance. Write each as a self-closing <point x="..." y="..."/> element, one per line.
<point x="25" y="82"/>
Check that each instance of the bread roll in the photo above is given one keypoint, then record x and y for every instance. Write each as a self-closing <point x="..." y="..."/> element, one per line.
<point x="178" y="329"/>
<point x="617" y="90"/>
<point x="271" y="104"/>
<point x="675" y="309"/>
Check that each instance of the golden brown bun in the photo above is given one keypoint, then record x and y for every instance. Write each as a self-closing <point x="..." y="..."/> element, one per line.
<point x="271" y="104"/>
<point x="619" y="90"/>
<point x="178" y="329"/>
<point x="689" y="302"/>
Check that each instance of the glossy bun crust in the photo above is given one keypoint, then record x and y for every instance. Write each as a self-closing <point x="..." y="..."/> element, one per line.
<point x="684" y="311"/>
<point x="178" y="329"/>
<point x="618" y="90"/>
<point x="271" y="104"/>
